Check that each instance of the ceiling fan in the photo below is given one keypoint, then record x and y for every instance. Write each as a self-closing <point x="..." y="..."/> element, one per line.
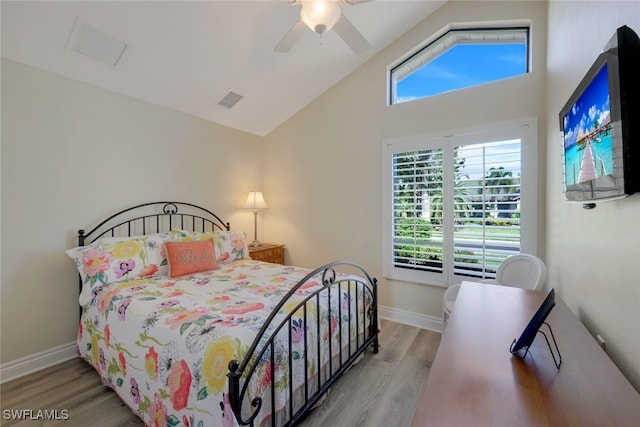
<point x="321" y="16"/>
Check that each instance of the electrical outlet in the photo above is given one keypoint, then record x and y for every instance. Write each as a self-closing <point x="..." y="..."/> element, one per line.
<point x="602" y="342"/>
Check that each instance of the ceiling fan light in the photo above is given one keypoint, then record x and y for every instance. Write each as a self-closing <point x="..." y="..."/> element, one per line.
<point x="320" y="15"/>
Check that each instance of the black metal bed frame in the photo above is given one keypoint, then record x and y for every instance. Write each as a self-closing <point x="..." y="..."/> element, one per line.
<point x="165" y="215"/>
<point x="248" y="367"/>
<point x="192" y="219"/>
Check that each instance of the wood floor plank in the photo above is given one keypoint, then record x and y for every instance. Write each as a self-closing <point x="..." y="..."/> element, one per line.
<point x="381" y="390"/>
<point x="354" y="395"/>
<point x="397" y="343"/>
<point x="44" y="381"/>
<point x="401" y="395"/>
<point x="394" y="401"/>
<point x="425" y="345"/>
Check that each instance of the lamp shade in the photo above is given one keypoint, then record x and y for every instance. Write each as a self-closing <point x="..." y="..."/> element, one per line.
<point x="320" y="15"/>
<point x="255" y="201"/>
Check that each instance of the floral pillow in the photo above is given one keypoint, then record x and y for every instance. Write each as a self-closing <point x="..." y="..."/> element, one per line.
<point x="134" y="258"/>
<point x="229" y="245"/>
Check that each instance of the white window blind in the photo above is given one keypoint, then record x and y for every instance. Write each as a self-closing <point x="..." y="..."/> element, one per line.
<point x="417" y="205"/>
<point x="486" y="206"/>
<point x="455" y="204"/>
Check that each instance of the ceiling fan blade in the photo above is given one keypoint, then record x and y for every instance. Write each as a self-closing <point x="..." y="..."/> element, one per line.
<point x="355" y="2"/>
<point x="292" y="36"/>
<point x="351" y="36"/>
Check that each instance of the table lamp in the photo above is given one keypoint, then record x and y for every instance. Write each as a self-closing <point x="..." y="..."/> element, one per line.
<point x="256" y="202"/>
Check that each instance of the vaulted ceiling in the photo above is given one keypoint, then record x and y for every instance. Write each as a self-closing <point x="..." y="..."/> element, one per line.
<point x="187" y="55"/>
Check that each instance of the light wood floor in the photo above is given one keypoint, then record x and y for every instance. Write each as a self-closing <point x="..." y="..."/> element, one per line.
<point x="381" y="390"/>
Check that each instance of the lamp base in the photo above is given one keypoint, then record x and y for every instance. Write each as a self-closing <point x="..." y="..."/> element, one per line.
<point x="255" y="244"/>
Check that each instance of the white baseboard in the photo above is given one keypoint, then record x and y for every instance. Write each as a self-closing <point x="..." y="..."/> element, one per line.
<point x="410" y="318"/>
<point x="35" y="362"/>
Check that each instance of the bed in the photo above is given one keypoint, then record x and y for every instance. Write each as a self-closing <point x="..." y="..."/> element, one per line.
<point x="189" y="331"/>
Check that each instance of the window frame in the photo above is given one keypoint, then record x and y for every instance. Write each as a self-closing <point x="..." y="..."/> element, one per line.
<point x="444" y="32"/>
<point x="525" y="129"/>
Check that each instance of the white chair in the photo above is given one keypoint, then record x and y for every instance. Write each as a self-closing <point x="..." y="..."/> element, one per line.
<point x="519" y="271"/>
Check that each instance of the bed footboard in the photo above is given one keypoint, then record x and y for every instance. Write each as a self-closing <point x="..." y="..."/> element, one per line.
<point x="344" y="309"/>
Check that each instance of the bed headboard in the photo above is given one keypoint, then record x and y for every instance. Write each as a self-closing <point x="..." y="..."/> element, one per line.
<point x="154" y="217"/>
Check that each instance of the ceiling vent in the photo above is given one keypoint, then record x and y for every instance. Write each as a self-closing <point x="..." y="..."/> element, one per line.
<point x="230" y="99"/>
<point x="95" y="44"/>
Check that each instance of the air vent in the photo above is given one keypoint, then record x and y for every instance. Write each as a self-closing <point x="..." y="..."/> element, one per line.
<point x="230" y="99"/>
<point x="95" y="44"/>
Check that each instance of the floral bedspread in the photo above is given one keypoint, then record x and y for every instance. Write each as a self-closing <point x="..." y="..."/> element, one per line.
<point x="164" y="344"/>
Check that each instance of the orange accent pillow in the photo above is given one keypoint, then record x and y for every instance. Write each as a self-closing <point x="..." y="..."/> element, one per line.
<point x="190" y="257"/>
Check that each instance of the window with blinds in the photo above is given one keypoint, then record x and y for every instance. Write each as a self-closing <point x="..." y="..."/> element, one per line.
<point x="486" y="206"/>
<point x="417" y="210"/>
<point x="455" y="205"/>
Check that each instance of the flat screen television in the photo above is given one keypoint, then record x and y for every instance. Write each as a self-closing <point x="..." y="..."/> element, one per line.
<point x="600" y="125"/>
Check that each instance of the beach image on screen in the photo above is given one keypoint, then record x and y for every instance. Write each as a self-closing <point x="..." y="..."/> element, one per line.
<point x="588" y="149"/>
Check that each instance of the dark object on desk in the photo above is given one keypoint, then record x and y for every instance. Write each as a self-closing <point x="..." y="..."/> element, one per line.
<point x="533" y="327"/>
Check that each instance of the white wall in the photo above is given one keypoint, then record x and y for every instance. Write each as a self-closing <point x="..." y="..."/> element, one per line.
<point x="323" y="167"/>
<point x="73" y="153"/>
<point x="593" y="257"/>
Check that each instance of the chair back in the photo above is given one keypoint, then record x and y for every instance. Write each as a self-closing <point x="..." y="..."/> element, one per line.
<point x="522" y="271"/>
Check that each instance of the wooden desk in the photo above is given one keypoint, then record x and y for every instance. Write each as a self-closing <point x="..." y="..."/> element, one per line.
<point x="475" y="381"/>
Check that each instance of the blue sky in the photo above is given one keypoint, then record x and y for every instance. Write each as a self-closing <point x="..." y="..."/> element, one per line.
<point x="463" y="66"/>
<point x="592" y="105"/>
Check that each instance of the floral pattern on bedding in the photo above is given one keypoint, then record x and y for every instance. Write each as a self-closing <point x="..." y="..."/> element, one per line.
<point x="164" y="344"/>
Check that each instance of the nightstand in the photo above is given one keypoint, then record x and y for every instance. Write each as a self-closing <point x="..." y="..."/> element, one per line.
<point x="268" y="252"/>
